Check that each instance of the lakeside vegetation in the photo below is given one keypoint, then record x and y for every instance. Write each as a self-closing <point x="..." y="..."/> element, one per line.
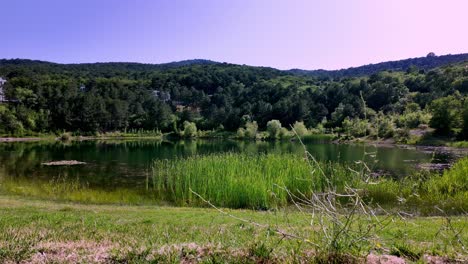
<point x="207" y="99"/>
<point x="273" y="181"/>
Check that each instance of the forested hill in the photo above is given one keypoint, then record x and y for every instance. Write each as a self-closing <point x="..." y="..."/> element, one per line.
<point x="43" y="97"/>
<point x="100" y="69"/>
<point x="431" y="61"/>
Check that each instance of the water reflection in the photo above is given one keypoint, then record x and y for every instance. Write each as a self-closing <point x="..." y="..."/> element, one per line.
<point x="117" y="163"/>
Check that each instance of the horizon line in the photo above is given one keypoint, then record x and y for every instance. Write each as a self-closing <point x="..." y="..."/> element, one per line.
<point x="223" y="62"/>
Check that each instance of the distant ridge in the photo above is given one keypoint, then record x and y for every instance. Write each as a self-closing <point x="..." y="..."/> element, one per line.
<point x="424" y="63"/>
<point x="175" y="64"/>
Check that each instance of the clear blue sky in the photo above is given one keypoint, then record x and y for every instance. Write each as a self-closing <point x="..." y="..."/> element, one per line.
<point x="306" y="34"/>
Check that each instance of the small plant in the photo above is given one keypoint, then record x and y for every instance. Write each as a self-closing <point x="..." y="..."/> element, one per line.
<point x="65" y="136"/>
<point x="260" y="251"/>
<point x="406" y="251"/>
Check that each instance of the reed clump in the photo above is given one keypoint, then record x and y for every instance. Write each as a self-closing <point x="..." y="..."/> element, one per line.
<point x="243" y="180"/>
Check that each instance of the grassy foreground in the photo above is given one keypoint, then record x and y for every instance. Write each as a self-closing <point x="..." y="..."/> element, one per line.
<point x="43" y="231"/>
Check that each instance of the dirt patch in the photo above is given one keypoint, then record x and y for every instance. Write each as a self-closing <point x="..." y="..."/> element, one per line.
<point x="63" y="163"/>
<point x="71" y="252"/>
<point x="433" y="166"/>
<point x="384" y="259"/>
<point x="10" y="139"/>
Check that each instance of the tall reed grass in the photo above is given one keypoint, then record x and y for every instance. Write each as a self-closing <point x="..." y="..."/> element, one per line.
<point x="243" y="180"/>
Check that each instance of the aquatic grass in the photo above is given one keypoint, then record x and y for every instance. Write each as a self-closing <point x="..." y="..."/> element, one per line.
<point x="424" y="193"/>
<point x="458" y="144"/>
<point x="243" y="180"/>
<point x="74" y="191"/>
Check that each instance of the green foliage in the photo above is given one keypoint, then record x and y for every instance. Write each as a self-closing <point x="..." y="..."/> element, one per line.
<point x="190" y="129"/>
<point x="446" y="115"/>
<point x="222" y="179"/>
<point x="464" y="131"/>
<point x="355" y="127"/>
<point x="300" y="128"/>
<point x="413" y="117"/>
<point x="250" y="130"/>
<point x="93" y="98"/>
<point x="384" y="126"/>
<point x="274" y="129"/>
<point x="453" y="181"/>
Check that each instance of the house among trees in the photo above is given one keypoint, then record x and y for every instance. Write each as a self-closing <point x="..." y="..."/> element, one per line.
<point x="2" y="93"/>
<point x="163" y="96"/>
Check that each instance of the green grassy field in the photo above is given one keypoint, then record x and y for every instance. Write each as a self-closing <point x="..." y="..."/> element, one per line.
<point x="37" y="230"/>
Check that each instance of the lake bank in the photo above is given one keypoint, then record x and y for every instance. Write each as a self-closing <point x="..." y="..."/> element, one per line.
<point x="56" y="231"/>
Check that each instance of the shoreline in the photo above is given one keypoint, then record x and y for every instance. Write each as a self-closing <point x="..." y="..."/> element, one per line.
<point x="389" y="143"/>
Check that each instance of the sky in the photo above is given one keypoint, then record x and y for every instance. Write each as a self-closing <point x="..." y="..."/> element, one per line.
<point x="285" y="34"/>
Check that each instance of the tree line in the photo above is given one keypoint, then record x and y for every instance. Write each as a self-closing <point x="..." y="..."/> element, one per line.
<point x="89" y="98"/>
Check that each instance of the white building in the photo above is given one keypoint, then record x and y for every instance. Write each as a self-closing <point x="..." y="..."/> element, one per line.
<point x="2" y="94"/>
<point x="163" y="96"/>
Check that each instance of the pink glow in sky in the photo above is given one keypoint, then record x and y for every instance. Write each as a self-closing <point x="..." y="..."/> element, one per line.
<point x="284" y="34"/>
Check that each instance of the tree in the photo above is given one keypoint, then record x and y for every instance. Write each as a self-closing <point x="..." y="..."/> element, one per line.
<point x="300" y="128"/>
<point x="190" y="129"/>
<point x="464" y="132"/>
<point x="446" y="115"/>
<point x="251" y="129"/>
<point x="273" y="128"/>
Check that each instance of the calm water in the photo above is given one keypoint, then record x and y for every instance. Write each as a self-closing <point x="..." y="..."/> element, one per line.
<point x="128" y="163"/>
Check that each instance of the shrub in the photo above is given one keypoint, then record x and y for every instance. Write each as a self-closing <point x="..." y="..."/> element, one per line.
<point x="446" y="115"/>
<point x="190" y="129"/>
<point x="355" y="127"/>
<point x="300" y="128"/>
<point x="283" y="133"/>
<point x="273" y="128"/>
<point x="66" y="136"/>
<point x="384" y="125"/>
<point x="251" y="129"/>
<point x="240" y="132"/>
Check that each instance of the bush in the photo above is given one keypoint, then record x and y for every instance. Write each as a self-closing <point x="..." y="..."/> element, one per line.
<point x="190" y="129"/>
<point x="446" y="115"/>
<point x="300" y="128"/>
<point x="240" y="132"/>
<point x="413" y="117"/>
<point x="66" y="136"/>
<point x="273" y="128"/>
<point x="251" y="129"/>
<point x="384" y="125"/>
<point x="355" y="127"/>
<point x="283" y="133"/>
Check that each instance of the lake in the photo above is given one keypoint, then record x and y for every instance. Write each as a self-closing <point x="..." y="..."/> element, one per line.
<point x="127" y="163"/>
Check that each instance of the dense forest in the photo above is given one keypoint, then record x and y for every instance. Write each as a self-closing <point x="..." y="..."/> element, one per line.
<point x="431" y="61"/>
<point x="43" y="97"/>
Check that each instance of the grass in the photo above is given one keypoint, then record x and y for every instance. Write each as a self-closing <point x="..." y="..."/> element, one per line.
<point x="73" y="191"/>
<point x="258" y="182"/>
<point x="56" y="231"/>
<point x="242" y="180"/>
<point x="425" y="193"/>
<point x="458" y="144"/>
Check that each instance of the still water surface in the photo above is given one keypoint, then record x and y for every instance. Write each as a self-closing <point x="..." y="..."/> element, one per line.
<point x="127" y="163"/>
